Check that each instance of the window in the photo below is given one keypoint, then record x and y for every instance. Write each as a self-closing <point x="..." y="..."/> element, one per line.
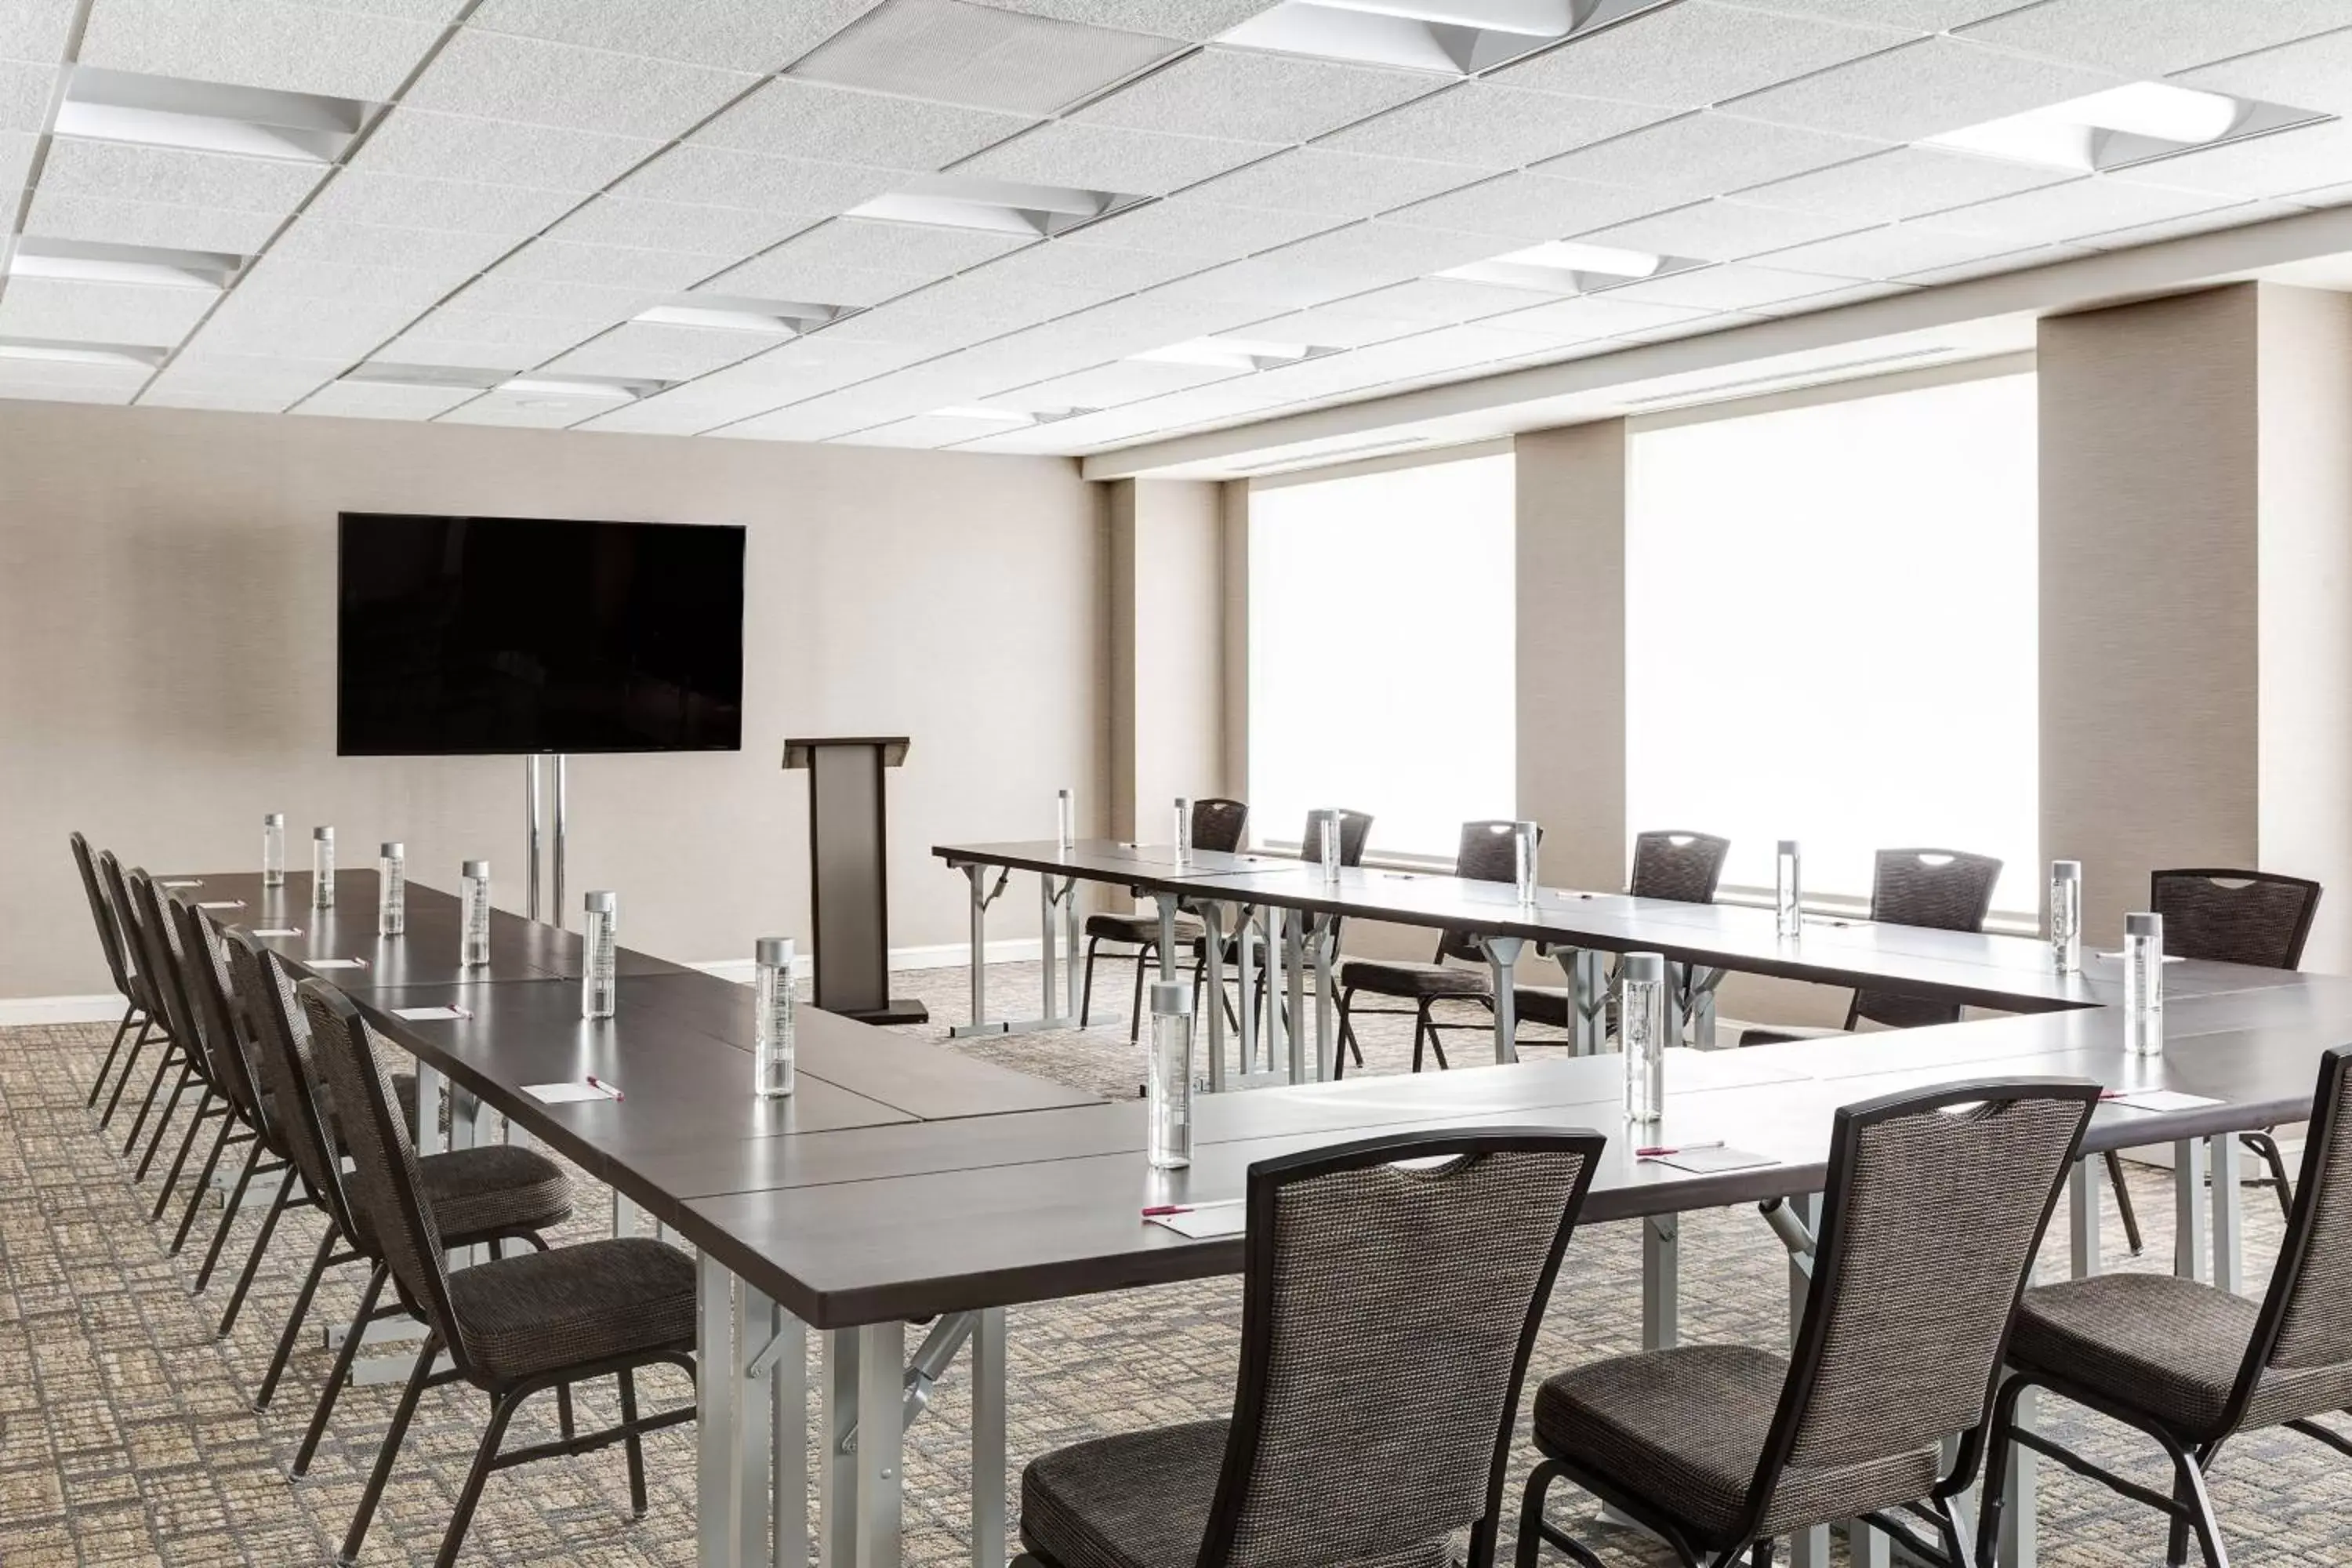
<point x="1832" y="631"/>
<point x="1380" y="652"/>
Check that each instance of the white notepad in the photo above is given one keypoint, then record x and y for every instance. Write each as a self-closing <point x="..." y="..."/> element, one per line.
<point x="223" y="904"/>
<point x="563" y="1093"/>
<point x="336" y="963"/>
<point x="431" y="1015"/>
<point x="1229" y="1218"/>
<point x="183" y="882"/>
<point x="280" y="931"/>
<point x="2162" y="1099"/>
<point x="1700" y="1162"/>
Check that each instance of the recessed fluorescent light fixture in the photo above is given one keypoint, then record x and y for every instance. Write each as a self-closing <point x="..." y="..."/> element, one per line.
<point x="62" y="353"/>
<point x="2123" y="126"/>
<point x="1236" y="353"/>
<point x="1568" y="266"/>
<point x="730" y="313"/>
<point x="1001" y="206"/>
<point x="1008" y="418"/>
<point x="614" y="389"/>
<point x="208" y="117"/>
<point x="1456" y="36"/>
<point x="87" y="261"/>
<point x="387" y="373"/>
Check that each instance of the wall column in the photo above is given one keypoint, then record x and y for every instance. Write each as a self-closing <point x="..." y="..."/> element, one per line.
<point x="1167" y="657"/>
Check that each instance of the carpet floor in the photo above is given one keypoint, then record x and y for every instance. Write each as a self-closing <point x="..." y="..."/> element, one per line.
<point x="127" y="1434"/>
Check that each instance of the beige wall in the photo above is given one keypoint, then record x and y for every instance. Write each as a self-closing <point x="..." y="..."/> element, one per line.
<point x="1168" y="644"/>
<point x="167" y="630"/>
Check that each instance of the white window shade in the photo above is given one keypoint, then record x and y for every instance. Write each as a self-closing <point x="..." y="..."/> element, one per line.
<point x="1833" y="639"/>
<point x="1381" y="652"/>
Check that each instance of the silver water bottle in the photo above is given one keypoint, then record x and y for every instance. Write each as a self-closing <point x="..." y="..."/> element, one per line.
<point x="2144" y="984"/>
<point x="599" y="990"/>
<point x="1168" y="1088"/>
<point x="1642" y="1036"/>
<point x="772" y="1018"/>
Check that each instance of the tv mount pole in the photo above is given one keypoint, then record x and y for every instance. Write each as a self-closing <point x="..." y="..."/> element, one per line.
<point x="535" y="789"/>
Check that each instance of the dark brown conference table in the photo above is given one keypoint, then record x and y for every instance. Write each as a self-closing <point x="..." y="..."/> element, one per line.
<point x="922" y="1182"/>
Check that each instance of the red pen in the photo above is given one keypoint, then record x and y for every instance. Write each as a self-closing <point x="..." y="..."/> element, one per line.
<point x="1157" y="1210"/>
<point x="1660" y="1154"/>
<point x="602" y="1087"/>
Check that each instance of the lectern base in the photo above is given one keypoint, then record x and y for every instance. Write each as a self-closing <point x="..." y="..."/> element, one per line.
<point x="897" y="1010"/>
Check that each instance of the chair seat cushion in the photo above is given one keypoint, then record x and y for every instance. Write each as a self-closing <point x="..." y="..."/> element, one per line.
<point x="1142" y="931"/>
<point x="497" y="1189"/>
<point x="1385" y="977"/>
<point x="1141" y="1499"/>
<point x="2168" y="1346"/>
<point x="576" y="1305"/>
<point x="1684" y="1428"/>
<point x="1552" y="1005"/>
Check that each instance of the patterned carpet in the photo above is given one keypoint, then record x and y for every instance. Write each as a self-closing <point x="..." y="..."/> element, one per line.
<point x="126" y="1434"/>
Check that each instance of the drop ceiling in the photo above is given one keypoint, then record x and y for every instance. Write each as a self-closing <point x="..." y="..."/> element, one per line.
<point x="1007" y="225"/>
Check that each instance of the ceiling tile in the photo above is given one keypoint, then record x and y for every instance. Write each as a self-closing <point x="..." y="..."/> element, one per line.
<point x="1529" y="206"/>
<point x="501" y="77"/>
<point x="2004" y="261"/>
<point x="2315" y="73"/>
<point x="2278" y="165"/>
<point x="292" y="325"/>
<point x="25" y="91"/>
<point x="1720" y="230"/>
<point x="684" y="412"/>
<point x="1901" y="183"/>
<point x="69" y="383"/>
<point x="948" y="51"/>
<point x="1920" y="15"/>
<point x="641" y="349"/>
<point x="279" y="273"/>
<point x="525" y="296"/>
<point x="1196" y="21"/>
<point x="1273" y="282"/>
<point x="501" y="153"/>
<point x="382" y="400"/>
<point x="386" y="244"/>
<point x="2141" y="39"/>
<point x="1898" y="250"/>
<point x="676" y="226"/>
<point x="1344" y="185"/>
<point x="1110" y="158"/>
<point x="743" y="35"/>
<point x="1922" y="89"/>
<point x="1695" y="54"/>
<point x="920" y="251"/>
<point x="1442" y="301"/>
<point x="1736" y="287"/>
<point x="2092" y="205"/>
<point x="128" y="173"/>
<point x="198" y="369"/>
<point x="781" y="276"/>
<point x="838" y="125"/>
<point x="100" y="312"/>
<point x="35" y="29"/>
<point x="1390" y="252"/>
<point x="478" y="338"/>
<point x="15" y="160"/>
<point x="1211" y="231"/>
<point x="1705" y="155"/>
<point x="1107" y="270"/>
<point x="928" y="431"/>
<point x="974" y="297"/>
<point x="1846" y="294"/>
<point x="720" y="176"/>
<point x="525" y="411"/>
<point x="357" y="196"/>
<point x="258" y="43"/>
<point x="1108" y="386"/>
<point x="1256" y="97"/>
<point x="608" y="266"/>
<point x="1595" y="316"/>
<point x="1341" y="326"/>
<point x="62" y="215"/>
<point x="1491" y="126"/>
<point x="2235" y="216"/>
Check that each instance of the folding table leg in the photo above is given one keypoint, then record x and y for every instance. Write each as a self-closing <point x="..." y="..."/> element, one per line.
<point x="1662" y="1250"/>
<point x="1807" y="1548"/>
<point x="2229" y="1216"/>
<point x="788" y="1418"/>
<point x="2019" y="1545"/>
<point x="755" y="1426"/>
<point x="988" y="1439"/>
<point x="881" y="1407"/>
<point x="1212" y="988"/>
<point x="1502" y="959"/>
<point x="2082" y="1218"/>
<point x="717" y="1436"/>
<point x="837" y="1458"/>
<point x="2190" y="1259"/>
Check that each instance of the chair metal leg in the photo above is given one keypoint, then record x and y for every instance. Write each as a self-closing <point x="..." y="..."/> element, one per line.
<point x="2190" y="1493"/>
<point x="2266" y="1149"/>
<point x="1086" y="991"/>
<point x="393" y="1435"/>
<point x="633" y="1445"/>
<point x="129" y="1066"/>
<point x="1534" y="1531"/>
<point x="154" y="1088"/>
<point x="253" y="1258"/>
<point x="345" y="1354"/>
<point x="484" y="1459"/>
<point x="2124" y="1209"/>
<point x="106" y="1068"/>
<point x="1419" y="1029"/>
<point x="1436" y="1040"/>
<point x="228" y="1128"/>
<point x="1346" y="1037"/>
<point x="1994" y="1496"/>
<point x="293" y="1330"/>
<point x="563" y="1410"/>
<point x="229" y="1216"/>
<point x="1760" y="1554"/>
<point x="205" y="1109"/>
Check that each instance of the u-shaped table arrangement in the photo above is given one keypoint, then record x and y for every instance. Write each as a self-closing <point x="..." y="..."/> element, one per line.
<point x="906" y="1181"/>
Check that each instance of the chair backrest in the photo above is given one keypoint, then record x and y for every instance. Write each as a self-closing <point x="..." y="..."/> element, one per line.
<point x="1355" y="826"/>
<point x="102" y="915"/>
<point x="118" y="895"/>
<point x="1485" y="854"/>
<point x="1387" y="1314"/>
<point x="159" y="957"/>
<point x="1933" y="1209"/>
<point x="1946" y="890"/>
<point x="1218" y="825"/>
<point x="2303" y="1323"/>
<point x="2234" y="917"/>
<point x="281" y="1034"/>
<point x="1683" y="867"/>
<point x="384" y="1183"/>
<point x="217" y="1017"/>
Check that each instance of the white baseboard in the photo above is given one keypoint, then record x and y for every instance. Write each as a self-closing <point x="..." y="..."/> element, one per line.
<point x="942" y="955"/>
<point x="103" y="1008"/>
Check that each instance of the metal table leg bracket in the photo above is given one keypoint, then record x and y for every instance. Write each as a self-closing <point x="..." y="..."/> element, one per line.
<point x="980" y="900"/>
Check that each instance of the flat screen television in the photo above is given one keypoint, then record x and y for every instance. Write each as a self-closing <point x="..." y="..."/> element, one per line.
<point x="505" y="635"/>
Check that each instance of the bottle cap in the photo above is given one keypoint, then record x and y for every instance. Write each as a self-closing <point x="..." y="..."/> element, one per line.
<point x="392" y="849"/>
<point x="475" y="868"/>
<point x="2066" y="870"/>
<point x="274" y="819"/>
<point x="603" y="903"/>
<point x="1788" y="847"/>
<point x="1171" y="996"/>
<point x="326" y="835"/>
<point x="2144" y="925"/>
<point x="1644" y="967"/>
<point x="775" y="952"/>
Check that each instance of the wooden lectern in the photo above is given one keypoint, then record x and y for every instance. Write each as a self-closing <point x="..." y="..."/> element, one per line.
<point x="849" y="859"/>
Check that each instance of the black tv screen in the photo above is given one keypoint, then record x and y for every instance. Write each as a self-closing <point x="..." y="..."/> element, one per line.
<point x="517" y="634"/>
